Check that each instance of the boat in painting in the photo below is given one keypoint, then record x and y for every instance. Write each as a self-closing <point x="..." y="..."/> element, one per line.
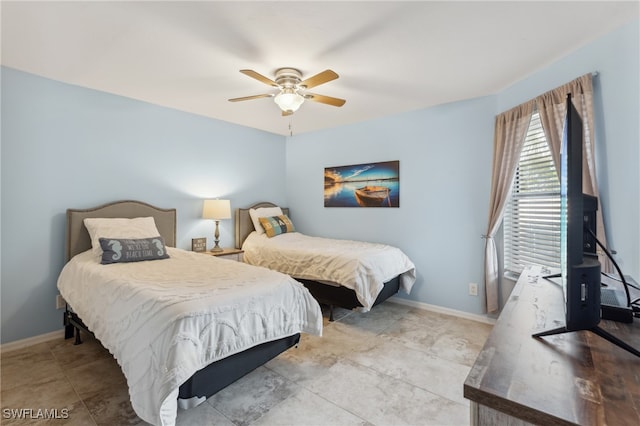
<point x="372" y="196"/>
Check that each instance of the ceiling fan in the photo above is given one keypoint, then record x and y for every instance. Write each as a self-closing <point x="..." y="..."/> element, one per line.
<point x="293" y="89"/>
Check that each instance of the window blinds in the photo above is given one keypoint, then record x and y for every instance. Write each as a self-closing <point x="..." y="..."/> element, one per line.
<point x="532" y="215"/>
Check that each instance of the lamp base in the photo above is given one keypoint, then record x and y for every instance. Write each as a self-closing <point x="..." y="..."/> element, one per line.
<point x="217" y="248"/>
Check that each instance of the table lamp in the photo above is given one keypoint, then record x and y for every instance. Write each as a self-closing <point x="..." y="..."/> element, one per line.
<point x="216" y="210"/>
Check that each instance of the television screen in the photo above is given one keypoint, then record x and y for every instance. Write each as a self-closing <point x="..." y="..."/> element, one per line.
<point x="580" y="274"/>
<point x="563" y="210"/>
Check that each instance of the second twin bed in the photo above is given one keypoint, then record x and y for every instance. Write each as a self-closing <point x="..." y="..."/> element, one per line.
<point x="345" y="273"/>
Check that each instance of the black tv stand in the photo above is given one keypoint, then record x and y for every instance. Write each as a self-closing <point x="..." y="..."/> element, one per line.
<point x="597" y="330"/>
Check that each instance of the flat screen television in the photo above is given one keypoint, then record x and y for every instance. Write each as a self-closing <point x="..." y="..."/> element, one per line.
<point x="579" y="272"/>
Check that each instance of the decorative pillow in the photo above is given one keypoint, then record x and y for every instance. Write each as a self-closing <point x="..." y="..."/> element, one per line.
<point x="256" y="214"/>
<point x="139" y="227"/>
<point x="119" y="250"/>
<point x="277" y="225"/>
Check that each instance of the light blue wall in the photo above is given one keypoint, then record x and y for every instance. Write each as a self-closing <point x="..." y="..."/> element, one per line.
<point x="445" y="155"/>
<point x="445" y="160"/>
<point x="64" y="146"/>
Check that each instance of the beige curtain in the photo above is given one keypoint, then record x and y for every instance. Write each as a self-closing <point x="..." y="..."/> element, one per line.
<point x="510" y="130"/>
<point x="552" y="109"/>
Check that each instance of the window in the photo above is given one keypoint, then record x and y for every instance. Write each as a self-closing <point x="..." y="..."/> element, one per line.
<point x="532" y="214"/>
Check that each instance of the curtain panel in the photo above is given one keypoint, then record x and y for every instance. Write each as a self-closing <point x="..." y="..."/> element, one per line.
<point x="552" y="109"/>
<point x="510" y="130"/>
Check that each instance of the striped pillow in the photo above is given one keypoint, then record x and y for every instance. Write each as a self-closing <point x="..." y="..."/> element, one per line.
<point x="276" y="225"/>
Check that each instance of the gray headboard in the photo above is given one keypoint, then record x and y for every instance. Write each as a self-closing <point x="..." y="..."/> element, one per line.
<point x="78" y="239"/>
<point x="244" y="225"/>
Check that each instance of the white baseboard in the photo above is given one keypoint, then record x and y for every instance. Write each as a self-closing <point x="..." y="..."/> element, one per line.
<point x="30" y="341"/>
<point x="439" y="309"/>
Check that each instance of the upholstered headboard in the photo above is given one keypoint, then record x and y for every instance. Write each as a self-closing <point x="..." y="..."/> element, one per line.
<point x="78" y="239"/>
<point x="244" y="225"/>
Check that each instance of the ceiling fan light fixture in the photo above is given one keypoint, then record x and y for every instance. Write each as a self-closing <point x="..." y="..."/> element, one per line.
<point x="289" y="100"/>
<point x="293" y="89"/>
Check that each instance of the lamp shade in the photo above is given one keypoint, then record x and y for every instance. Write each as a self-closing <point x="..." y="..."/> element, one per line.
<point x="216" y="209"/>
<point x="289" y="100"/>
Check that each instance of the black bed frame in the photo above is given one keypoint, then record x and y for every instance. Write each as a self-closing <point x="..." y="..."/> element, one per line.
<point x="344" y="297"/>
<point x="215" y="376"/>
<point x="232" y="368"/>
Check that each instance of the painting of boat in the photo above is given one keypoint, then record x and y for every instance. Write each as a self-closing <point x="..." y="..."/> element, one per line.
<point x="363" y="185"/>
<point x="373" y="196"/>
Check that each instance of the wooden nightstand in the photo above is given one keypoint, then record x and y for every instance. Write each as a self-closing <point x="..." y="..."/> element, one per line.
<point x="227" y="253"/>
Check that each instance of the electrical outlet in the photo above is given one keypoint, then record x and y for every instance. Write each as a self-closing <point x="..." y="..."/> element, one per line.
<point x="473" y="289"/>
<point x="60" y="302"/>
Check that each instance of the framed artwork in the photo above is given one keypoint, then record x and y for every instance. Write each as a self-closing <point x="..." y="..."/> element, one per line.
<point x="363" y="185"/>
<point x="199" y="244"/>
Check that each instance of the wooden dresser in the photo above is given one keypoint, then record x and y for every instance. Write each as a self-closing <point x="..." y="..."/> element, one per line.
<point x="572" y="378"/>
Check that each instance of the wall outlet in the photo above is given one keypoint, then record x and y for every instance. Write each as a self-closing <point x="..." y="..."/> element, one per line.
<point x="473" y="289"/>
<point x="60" y="302"/>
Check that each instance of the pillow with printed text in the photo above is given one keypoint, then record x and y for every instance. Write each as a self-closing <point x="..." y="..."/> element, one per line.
<point x="138" y="227"/>
<point x="276" y="225"/>
<point x="122" y="250"/>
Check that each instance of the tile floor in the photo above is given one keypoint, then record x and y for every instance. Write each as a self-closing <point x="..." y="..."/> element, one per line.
<point x="395" y="365"/>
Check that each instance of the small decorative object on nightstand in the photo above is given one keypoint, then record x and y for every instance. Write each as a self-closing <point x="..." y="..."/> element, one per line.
<point x="227" y="253"/>
<point x="199" y="244"/>
<point x="216" y="210"/>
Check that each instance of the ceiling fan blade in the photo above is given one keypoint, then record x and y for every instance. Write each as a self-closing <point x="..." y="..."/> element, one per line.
<point x="248" y="98"/>
<point x="285" y="113"/>
<point x="321" y="78"/>
<point x="325" y="99"/>
<point x="259" y="77"/>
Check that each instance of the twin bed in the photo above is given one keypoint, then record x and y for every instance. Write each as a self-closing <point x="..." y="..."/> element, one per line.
<point x="184" y="325"/>
<point x="181" y="327"/>
<point x="344" y="273"/>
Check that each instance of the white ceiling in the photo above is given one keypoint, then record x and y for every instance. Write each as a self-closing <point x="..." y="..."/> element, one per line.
<point x="392" y="57"/>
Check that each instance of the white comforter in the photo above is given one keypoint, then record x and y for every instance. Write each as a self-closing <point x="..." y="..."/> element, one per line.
<point x="163" y="320"/>
<point x="361" y="266"/>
